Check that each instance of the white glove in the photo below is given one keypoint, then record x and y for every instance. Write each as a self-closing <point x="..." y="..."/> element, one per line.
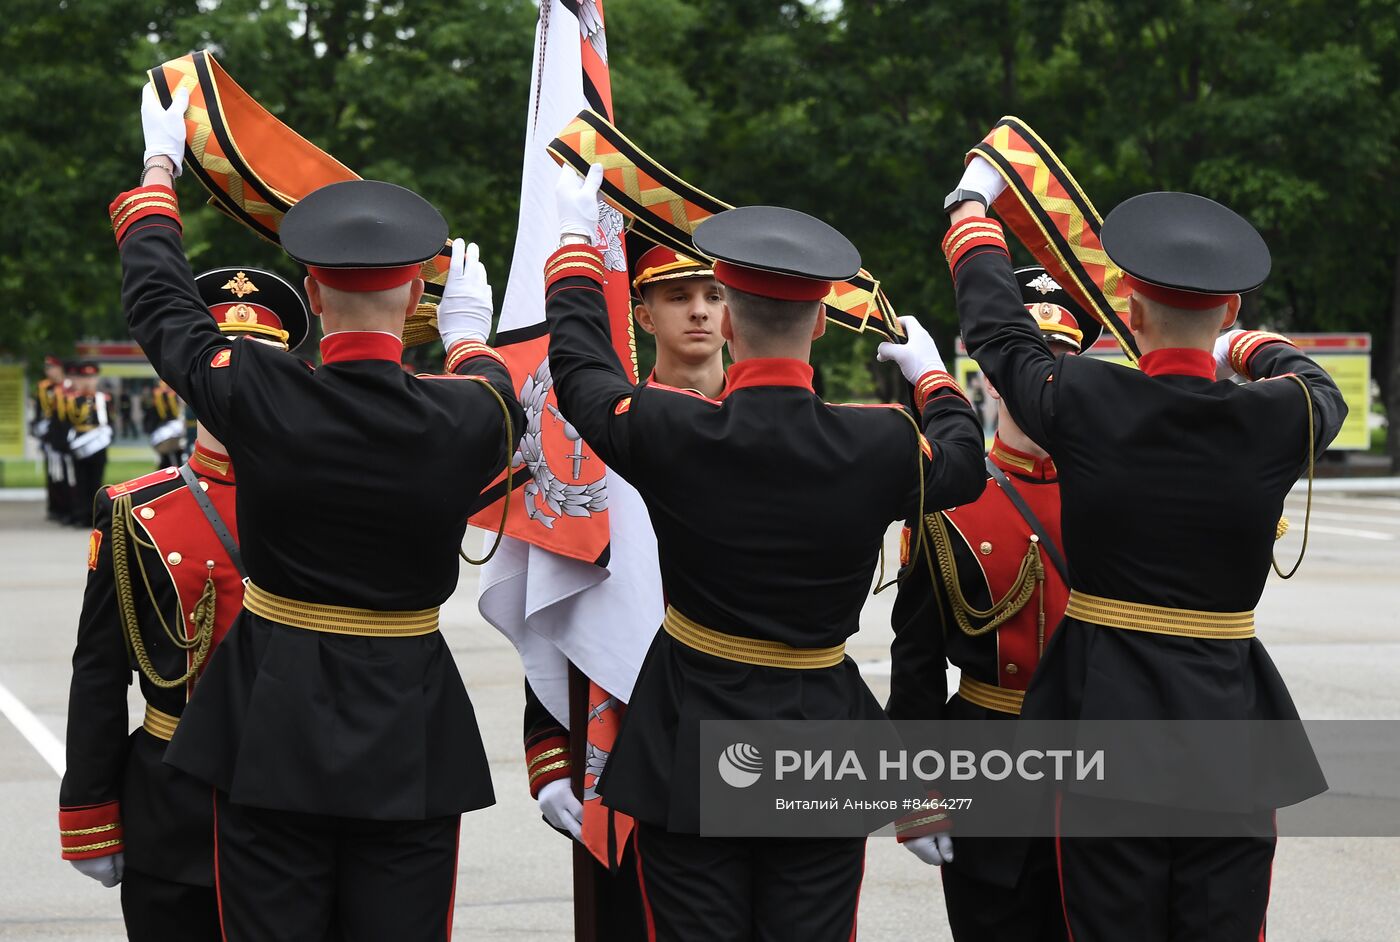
<point x="465" y="310"/>
<point x="981" y="177"/>
<point x="933" y="849"/>
<point x="916" y="356"/>
<point x="105" y="870"/>
<point x="576" y="199"/>
<point x="1223" y="369"/>
<point x="561" y="808"/>
<point x="164" y="128"/>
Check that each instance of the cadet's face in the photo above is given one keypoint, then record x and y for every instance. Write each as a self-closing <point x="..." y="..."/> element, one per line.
<point x="87" y="385"/>
<point x="54" y="373"/>
<point x="684" y="315"/>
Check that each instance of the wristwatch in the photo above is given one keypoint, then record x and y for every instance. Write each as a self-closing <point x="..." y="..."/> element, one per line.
<point x="961" y="194"/>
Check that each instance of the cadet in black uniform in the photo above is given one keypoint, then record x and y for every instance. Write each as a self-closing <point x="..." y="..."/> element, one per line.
<point x="164" y="424"/>
<point x="89" y="436"/>
<point x="1172" y="485"/>
<point x="679" y="303"/>
<point x="986" y="593"/>
<point x="47" y="393"/>
<point x="332" y="720"/>
<point x="162" y="590"/>
<point x="769" y="507"/>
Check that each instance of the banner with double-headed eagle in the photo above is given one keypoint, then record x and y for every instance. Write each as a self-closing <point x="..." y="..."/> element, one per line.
<point x="576" y="579"/>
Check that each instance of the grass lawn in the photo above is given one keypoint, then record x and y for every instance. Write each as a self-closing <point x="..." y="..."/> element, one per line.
<point x="21" y="473"/>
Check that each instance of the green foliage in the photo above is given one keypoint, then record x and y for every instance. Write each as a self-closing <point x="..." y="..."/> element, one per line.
<point x="859" y="112"/>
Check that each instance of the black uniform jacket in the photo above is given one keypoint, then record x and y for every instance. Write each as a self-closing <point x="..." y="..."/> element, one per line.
<point x="987" y="540"/>
<point x="1172" y="485"/>
<point x="163" y="817"/>
<point x="769" y="508"/>
<point x="355" y="483"/>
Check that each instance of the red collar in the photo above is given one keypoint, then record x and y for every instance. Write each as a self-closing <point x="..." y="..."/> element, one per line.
<point x="208" y="463"/>
<point x="1020" y="463"/>
<point x="360" y="345"/>
<point x="768" y="371"/>
<point x="1179" y="361"/>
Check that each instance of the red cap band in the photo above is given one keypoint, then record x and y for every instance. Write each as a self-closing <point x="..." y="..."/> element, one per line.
<point x="767" y="284"/>
<point x="365" y="279"/>
<point x="1174" y="297"/>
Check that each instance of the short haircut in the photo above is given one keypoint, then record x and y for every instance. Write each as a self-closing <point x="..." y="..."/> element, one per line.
<point x="770" y="317"/>
<point x="1182" y="324"/>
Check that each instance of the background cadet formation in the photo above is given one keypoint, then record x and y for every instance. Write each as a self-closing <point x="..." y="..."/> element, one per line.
<point x="800" y="104"/>
<point x="72" y="419"/>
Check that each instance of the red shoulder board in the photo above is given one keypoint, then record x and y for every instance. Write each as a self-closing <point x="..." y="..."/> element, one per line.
<point x="146" y="480"/>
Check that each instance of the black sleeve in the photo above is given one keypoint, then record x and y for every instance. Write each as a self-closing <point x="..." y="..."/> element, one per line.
<point x="1272" y="360"/>
<point x="172" y="324"/>
<point x="498" y="376"/>
<point x="1005" y="342"/>
<point x="954" y="471"/>
<point x="918" y="662"/>
<point x="539" y="722"/>
<point x="97" y="718"/>
<point x="592" y="388"/>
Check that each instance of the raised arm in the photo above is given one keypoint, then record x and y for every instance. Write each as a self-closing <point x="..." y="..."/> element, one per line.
<point x="464" y="322"/>
<point x="1257" y="354"/>
<point x="999" y="334"/>
<point x="589" y="380"/>
<point x="164" y="311"/>
<point x="953" y="471"/>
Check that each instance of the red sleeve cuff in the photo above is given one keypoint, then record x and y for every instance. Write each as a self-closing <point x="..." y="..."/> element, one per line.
<point x="547" y="761"/>
<point x="464" y="350"/>
<point x="978" y="232"/>
<point x="145" y="201"/>
<point x="574" y="261"/>
<point x="1247" y="344"/>
<point x="90" y="830"/>
<point x="932" y="384"/>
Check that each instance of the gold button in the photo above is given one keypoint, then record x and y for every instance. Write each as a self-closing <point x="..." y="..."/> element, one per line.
<point x="204" y="485"/>
<point x="986" y="548"/>
<point x="1011" y="668"/>
<point x="174" y="559"/>
<point x="147" y="513"/>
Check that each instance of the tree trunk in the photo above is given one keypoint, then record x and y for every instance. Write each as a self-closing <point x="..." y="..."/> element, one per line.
<point x="1392" y="370"/>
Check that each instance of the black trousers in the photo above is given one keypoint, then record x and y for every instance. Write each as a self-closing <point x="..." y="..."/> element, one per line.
<point x="1030" y="911"/>
<point x="314" y="878"/>
<point x="748" y="888"/>
<point x="616" y="913"/>
<point x="55" y="485"/>
<point x="1166" y="889"/>
<point x="159" y="910"/>
<point x="87" y="478"/>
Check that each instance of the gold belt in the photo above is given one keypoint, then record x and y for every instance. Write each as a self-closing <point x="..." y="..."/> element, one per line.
<point x="748" y="650"/>
<point x="1180" y="622"/>
<point x="338" y="619"/>
<point x="159" y="724"/>
<point x="1001" y="699"/>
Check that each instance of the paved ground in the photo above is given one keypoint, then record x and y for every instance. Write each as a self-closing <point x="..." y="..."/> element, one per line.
<point x="1334" y="631"/>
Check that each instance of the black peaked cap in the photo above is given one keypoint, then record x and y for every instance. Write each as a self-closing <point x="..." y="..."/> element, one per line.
<point x="220" y="287"/>
<point x="774" y="239"/>
<point x="1186" y="242"/>
<point x="1038" y="287"/>
<point x="362" y="224"/>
